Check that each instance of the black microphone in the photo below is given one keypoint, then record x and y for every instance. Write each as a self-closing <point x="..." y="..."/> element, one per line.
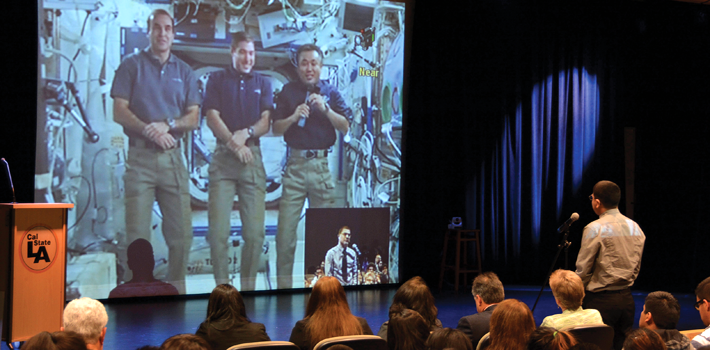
<point x="568" y="223"/>
<point x="9" y="176"/>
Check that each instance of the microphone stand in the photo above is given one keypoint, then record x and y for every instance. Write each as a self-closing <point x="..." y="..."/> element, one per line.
<point x="564" y="244"/>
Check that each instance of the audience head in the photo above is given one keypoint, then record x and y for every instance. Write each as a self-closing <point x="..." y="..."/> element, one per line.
<point x="407" y="329"/>
<point x="226" y="304"/>
<point x="585" y="346"/>
<point x="487" y="289"/>
<point x="64" y="340"/>
<point x="511" y="325"/>
<point x="702" y="295"/>
<point x="328" y="312"/>
<point x="340" y="347"/>
<point x="644" y="339"/>
<point x="660" y="311"/>
<point x="87" y="317"/>
<point x="447" y="338"/>
<point x="607" y="194"/>
<point x="567" y="288"/>
<point x="185" y="342"/>
<point x="414" y="294"/>
<point x="547" y="338"/>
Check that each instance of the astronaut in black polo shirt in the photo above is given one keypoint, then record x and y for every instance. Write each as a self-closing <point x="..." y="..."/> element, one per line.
<point x="238" y="102"/>
<point x="308" y="113"/>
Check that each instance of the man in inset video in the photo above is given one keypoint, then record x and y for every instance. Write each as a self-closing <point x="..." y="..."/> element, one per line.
<point x="238" y="102"/>
<point x="156" y="100"/>
<point x="341" y="260"/>
<point x="308" y="113"/>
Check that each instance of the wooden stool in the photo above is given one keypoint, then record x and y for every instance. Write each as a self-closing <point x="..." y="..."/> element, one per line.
<point x="460" y="236"/>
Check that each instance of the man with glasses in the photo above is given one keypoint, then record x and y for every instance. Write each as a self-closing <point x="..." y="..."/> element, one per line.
<point x="702" y="294"/>
<point x="341" y="260"/>
<point x="609" y="260"/>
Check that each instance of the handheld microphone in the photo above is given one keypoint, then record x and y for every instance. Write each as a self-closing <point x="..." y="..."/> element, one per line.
<point x="312" y="89"/>
<point x="9" y="176"/>
<point x="568" y="223"/>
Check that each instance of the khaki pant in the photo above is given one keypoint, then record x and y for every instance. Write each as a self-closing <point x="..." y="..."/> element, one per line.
<point x="303" y="178"/>
<point x="152" y="175"/>
<point x="229" y="176"/>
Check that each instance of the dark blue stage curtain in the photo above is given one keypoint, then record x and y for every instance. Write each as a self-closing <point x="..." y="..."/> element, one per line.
<point x="539" y="159"/>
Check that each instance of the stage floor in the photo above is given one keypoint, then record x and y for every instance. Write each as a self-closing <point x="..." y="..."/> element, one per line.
<point x="149" y="322"/>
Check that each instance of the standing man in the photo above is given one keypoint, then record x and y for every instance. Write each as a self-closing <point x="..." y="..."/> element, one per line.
<point x="661" y="313"/>
<point x="156" y="101"/>
<point x="341" y="261"/>
<point x="609" y="261"/>
<point x="487" y="291"/>
<point x="308" y="113"/>
<point x="238" y="102"/>
<point x="702" y="294"/>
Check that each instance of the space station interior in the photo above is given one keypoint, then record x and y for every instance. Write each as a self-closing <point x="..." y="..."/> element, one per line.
<point x="81" y="153"/>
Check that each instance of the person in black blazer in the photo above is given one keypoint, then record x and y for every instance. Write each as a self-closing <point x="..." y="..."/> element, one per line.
<point x="487" y="291"/>
<point x="227" y="324"/>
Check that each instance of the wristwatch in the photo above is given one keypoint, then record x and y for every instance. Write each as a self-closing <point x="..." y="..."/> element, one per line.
<point x="250" y="131"/>
<point x="171" y="123"/>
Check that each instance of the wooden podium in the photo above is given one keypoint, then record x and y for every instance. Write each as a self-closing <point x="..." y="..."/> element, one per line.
<point x="32" y="268"/>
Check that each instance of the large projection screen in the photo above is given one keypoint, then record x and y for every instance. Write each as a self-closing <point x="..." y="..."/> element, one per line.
<point x="83" y="154"/>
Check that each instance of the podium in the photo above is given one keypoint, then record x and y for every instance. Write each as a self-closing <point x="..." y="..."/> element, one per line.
<point x="32" y="268"/>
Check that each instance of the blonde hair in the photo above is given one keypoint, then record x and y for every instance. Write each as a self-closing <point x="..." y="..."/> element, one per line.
<point x="567" y="288"/>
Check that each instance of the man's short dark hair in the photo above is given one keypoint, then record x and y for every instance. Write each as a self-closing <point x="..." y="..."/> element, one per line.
<point x="489" y="287"/>
<point x="608" y="193"/>
<point x="703" y="290"/>
<point x="239" y="37"/>
<point x="664" y="309"/>
<point x="159" y="12"/>
<point x="308" y="47"/>
<point x="340" y="232"/>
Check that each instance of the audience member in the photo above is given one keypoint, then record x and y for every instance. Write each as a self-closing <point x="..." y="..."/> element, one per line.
<point x="327" y="315"/>
<point x="185" y="342"/>
<point x="585" y="346"/>
<point x="64" y="340"/>
<point x="609" y="261"/>
<point x="448" y="338"/>
<point x="644" y="339"/>
<point x="87" y="317"/>
<point x="340" y="347"/>
<point x="227" y="323"/>
<point x="702" y="295"/>
<point x="149" y="347"/>
<point x="548" y="338"/>
<point x="487" y="292"/>
<point x="414" y="294"/>
<point x="568" y="290"/>
<point x="407" y="329"/>
<point x="511" y="326"/>
<point x="661" y="313"/>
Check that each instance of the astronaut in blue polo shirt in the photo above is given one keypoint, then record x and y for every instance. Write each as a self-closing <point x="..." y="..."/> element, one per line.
<point x="238" y="102"/>
<point x="156" y="100"/>
<point x="308" y="113"/>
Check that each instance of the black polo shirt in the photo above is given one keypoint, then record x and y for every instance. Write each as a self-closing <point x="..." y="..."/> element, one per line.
<point x="318" y="132"/>
<point x="240" y="98"/>
<point x="155" y="92"/>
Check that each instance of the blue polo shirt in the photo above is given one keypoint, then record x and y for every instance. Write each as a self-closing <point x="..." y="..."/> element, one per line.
<point x="318" y="132"/>
<point x="240" y="98"/>
<point x="155" y="92"/>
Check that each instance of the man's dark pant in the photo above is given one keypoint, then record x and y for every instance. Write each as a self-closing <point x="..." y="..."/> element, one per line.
<point x="617" y="309"/>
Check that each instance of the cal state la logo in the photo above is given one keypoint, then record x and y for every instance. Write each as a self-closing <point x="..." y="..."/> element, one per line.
<point x="38" y="248"/>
